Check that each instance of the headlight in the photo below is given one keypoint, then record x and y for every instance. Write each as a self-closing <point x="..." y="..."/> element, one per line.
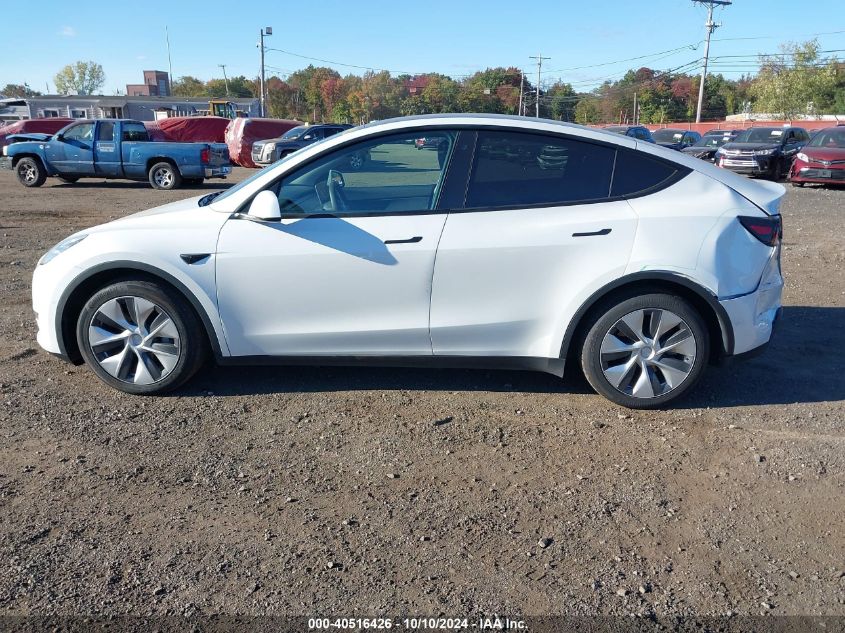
<point x="720" y="151"/>
<point x="4" y="149"/>
<point x="802" y="156"/>
<point x="764" y="152"/>
<point x="61" y="247"/>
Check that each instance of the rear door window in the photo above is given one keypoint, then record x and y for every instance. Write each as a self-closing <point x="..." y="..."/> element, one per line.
<point x="106" y="131"/>
<point x="513" y="169"/>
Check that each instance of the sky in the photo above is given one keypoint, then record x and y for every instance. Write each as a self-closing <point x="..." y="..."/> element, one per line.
<point x="587" y="42"/>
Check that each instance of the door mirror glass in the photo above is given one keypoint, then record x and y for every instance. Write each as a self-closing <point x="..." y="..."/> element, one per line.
<point x="265" y="206"/>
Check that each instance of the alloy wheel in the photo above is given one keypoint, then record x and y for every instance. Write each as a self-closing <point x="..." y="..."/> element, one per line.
<point x="648" y="353"/>
<point x="134" y="340"/>
<point x="163" y="177"/>
<point x="27" y="172"/>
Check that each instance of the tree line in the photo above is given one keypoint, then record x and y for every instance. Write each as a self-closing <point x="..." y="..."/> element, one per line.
<point x="798" y="80"/>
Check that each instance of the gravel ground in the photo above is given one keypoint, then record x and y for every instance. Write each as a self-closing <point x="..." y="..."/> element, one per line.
<point x="279" y="491"/>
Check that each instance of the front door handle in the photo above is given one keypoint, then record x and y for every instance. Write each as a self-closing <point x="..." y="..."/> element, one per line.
<point x="410" y="240"/>
<point x="591" y="233"/>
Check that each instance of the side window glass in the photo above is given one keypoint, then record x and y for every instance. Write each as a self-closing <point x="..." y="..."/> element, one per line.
<point x="105" y="132"/>
<point x="385" y="175"/>
<point x="637" y="171"/>
<point x="81" y="132"/>
<point x="514" y="169"/>
<point x="134" y="132"/>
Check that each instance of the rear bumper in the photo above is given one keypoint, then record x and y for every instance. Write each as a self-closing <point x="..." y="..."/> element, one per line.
<point x="217" y="172"/>
<point x="753" y="316"/>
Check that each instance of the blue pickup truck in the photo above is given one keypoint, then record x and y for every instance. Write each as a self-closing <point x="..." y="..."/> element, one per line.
<point x="112" y="148"/>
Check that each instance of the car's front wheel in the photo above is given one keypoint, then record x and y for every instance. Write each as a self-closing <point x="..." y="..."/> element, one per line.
<point x="30" y="172"/>
<point x="140" y="337"/>
<point x="645" y="351"/>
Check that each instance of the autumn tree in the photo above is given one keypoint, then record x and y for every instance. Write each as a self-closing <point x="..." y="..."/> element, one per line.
<point x="82" y="78"/>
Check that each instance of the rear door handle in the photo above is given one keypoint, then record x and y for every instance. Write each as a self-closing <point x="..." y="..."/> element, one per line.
<point x="410" y="240"/>
<point x="592" y="233"/>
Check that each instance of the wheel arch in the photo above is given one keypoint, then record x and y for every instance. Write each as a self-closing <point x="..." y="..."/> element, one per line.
<point x="714" y="315"/>
<point x="19" y="157"/>
<point x="82" y="287"/>
<point x="162" y="159"/>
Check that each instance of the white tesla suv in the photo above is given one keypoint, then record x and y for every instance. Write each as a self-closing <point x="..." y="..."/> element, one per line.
<point x="502" y="242"/>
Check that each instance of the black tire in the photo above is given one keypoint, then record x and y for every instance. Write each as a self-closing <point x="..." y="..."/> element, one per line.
<point x="192" y="342"/>
<point x="604" y="319"/>
<point x="30" y="172"/>
<point x="68" y="179"/>
<point x="164" y="176"/>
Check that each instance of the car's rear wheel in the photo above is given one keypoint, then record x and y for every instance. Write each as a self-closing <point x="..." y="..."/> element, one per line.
<point x="140" y="337"/>
<point x="164" y="176"/>
<point x="30" y="172"/>
<point x="645" y="351"/>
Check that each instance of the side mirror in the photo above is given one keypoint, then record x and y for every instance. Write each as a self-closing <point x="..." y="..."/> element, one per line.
<point x="265" y="207"/>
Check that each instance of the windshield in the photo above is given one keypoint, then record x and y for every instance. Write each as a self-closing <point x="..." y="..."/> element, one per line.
<point x="760" y="135"/>
<point x="712" y="141"/>
<point x="667" y="136"/>
<point x="295" y="132"/>
<point x="833" y="139"/>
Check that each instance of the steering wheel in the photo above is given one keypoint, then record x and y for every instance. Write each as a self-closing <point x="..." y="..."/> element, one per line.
<point x="336" y="184"/>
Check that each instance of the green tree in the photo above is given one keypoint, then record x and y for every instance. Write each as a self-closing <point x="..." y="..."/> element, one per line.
<point x="562" y="100"/>
<point x="588" y="110"/>
<point x="82" y="78"/>
<point x="18" y="90"/>
<point x="796" y="82"/>
<point x="188" y="86"/>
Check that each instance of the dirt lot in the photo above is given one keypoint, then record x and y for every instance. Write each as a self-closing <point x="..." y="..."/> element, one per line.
<point x="379" y="492"/>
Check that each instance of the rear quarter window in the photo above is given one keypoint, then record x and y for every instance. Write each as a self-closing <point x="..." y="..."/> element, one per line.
<point x="637" y="172"/>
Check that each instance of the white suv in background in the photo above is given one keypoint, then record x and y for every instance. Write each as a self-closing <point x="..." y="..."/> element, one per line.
<point x="510" y="242"/>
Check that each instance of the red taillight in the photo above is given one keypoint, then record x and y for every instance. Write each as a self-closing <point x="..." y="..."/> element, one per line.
<point x="767" y="230"/>
<point x="204" y="155"/>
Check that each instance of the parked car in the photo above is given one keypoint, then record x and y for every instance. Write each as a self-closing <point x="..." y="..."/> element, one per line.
<point x="634" y="131"/>
<point x="762" y="151"/>
<point x="705" y="148"/>
<point x="640" y="263"/>
<point x="269" y="151"/>
<point x="113" y="148"/>
<point x="822" y="160"/>
<point x="675" y="139"/>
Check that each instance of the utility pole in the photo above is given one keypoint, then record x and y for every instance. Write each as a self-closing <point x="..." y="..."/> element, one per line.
<point x="223" y="66"/>
<point x="635" y="121"/>
<point x="521" y="88"/>
<point x="268" y="30"/>
<point x="539" y="59"/>
<point x="710" y="26"/>
<point x="169" y="63"/>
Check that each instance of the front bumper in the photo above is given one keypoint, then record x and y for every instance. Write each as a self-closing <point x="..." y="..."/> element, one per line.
<point x="751" y="165"/>
<point x="822" y="175"/>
